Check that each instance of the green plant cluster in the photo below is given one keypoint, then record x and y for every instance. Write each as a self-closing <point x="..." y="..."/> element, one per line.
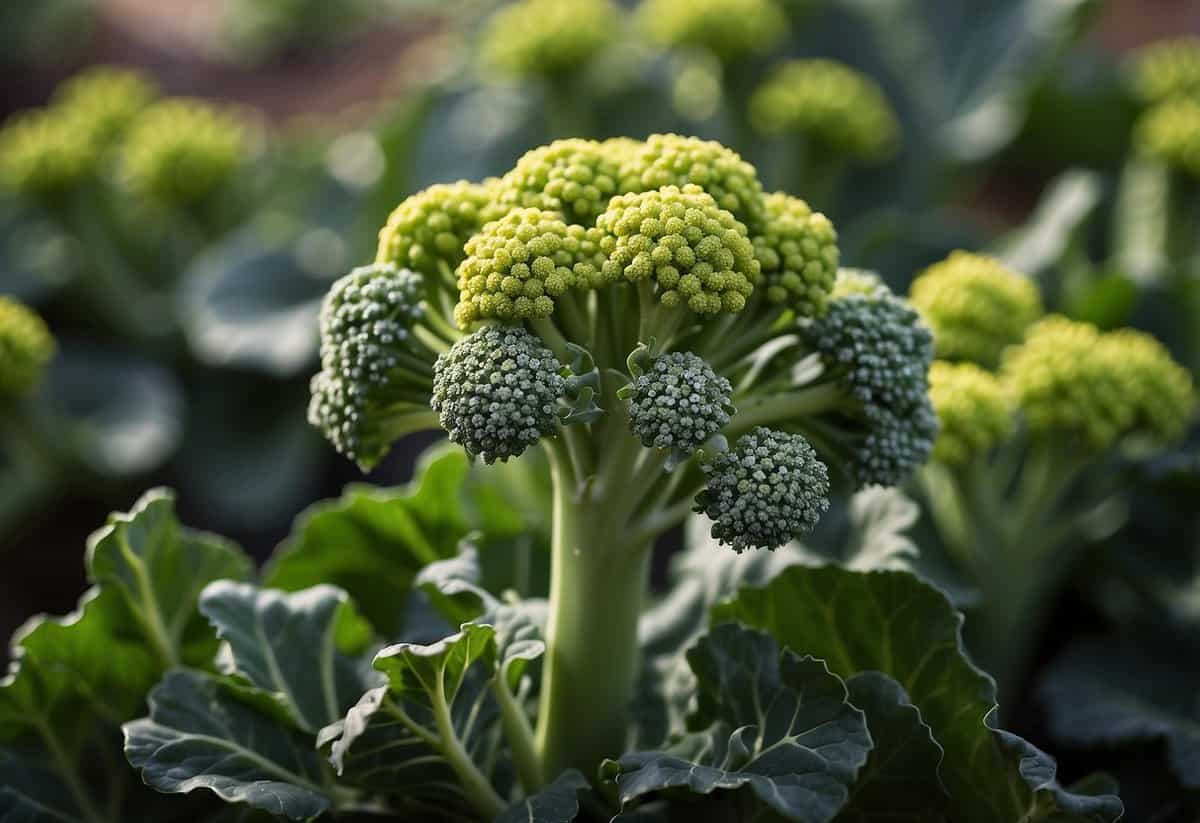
<point x="25" y="348"/>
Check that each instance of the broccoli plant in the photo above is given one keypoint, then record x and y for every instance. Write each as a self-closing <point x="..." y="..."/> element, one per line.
<point x="1036" y="414"/>
<point x="617" y="339"/>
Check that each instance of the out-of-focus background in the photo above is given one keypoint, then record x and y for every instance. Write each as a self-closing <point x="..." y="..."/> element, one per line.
<point x="186" y="314"/>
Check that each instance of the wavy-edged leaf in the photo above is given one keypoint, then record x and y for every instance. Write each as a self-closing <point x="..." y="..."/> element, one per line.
<point x="160" y="568"/>
<point x="1110" y="692"/>
<point x="900" y="780"/>
<point x="775" y="724"/>
<point x="305" y="650"/>
<point x="454" y="587"/>
<point x="198" y="736"/>
<point x="557" y="803"/>
<point x="894" y="623"/>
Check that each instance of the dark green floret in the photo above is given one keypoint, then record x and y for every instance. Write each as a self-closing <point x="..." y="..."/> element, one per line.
<point x="496" y="392"/>
<point x="678" y="403"/>
<point x="767" y="490"/>
<point x="895" y="446"/>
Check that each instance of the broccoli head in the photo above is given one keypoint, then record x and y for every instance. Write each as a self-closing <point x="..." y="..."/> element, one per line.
<point x="678" y="402"/>
<point x="26" y="347"/>
<point x="728" y="29"/>
<point x="974" y="409"/>
<point x="549" y="38"/>
<point x="1167" y="69"/>
<point x="798" y="254"/>
<point x="1170" y="133"/>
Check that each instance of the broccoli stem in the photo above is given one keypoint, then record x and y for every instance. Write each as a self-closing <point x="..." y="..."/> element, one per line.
<point x="596" y="592"/>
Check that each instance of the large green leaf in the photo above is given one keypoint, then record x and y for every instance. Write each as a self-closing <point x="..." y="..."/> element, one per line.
<point x="1120" y="691"/>
<point x="776" y="726"/>
<point x="373" y="542"/>
<point x="199" y="736"/>
<point x="557" y="803"/>
<point x="894" y="623"/>
<point x="160" y="568"/>
<point x="900" y="781"/>
<point x="304" y="650"/>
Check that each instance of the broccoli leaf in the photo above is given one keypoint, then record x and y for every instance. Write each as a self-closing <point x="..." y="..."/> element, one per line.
<point x="453" y="586"/>
<point x="303" y="650"/>
<point x="900" y="781"/>
<point x="557" y="803"/>
<point x="31" y="790"/>
<point x="198" y="735"/>
<point x="159" y="568"/>
<point x="894" y="623"/>
<point x="879" y="518"/>
<point x="1108" y="692"/>
<point x="774" y="725"/>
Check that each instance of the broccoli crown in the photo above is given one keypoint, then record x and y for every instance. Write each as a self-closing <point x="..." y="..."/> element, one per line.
<point x="678" y="403"/>
<point x="573" y="177"/>
<point x="671" y="160"/>
<point x="1169" y="68"/>
<point x="1170" y="133"/>
<point x="768" y="489"/>
<point x="1066" y="384"/>
<point x="103" y="101"/>
<point x="496" y="392"/>
<point x="974" y="409"/>
<point x="431" y="227"/>
<point x="880" y="351"/>
<point x="798" y="253"/>
<point x="830" y="103"/>
<point x="1159" y="389"/>
<point x="549" y="38"/>
<point x="180" y="151"/>
<point x="729" y="29"/>
<point x="42" y="154"/>
<point x="26" y="346"/>
<point x="367" y="349"/>
<point x="697" y="253"/>
<point x="517" y="265"/>
<point x="976" y="307"/>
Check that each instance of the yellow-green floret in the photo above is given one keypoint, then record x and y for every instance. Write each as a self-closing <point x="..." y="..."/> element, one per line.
<point x="1170" y="133"/>
<point x="517" y="266"/>
<point x="1159" y="389"/>
<point x="798" y="253"/>
<point x="42" y="154"/>
<point x="549" y="38"/>
<point x="840" y="109"/>
<point x="26" y="347"/>
<point x="976" y="307"/>
<point x="429" y="230"/>
<point x="1169" y="68"/>
<point x="768" y="489"/>
<point x="180" y="151"/>
<point x="672" y="160"/>
<point x="103" y="101"/>
<point x="574" y="177"/>
<point x="696" y="253"/>
<point x="729" y="29"/>
<point x="496" y="392"/>
<point x="975" y="411"/>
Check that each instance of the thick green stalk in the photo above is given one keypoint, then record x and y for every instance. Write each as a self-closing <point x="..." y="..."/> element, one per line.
<point x="596" y="592"/>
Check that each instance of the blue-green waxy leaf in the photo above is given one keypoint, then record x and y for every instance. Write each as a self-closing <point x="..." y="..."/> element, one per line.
<point x="557" y="803"/>
<point x="160" y="568"/>
<point x="305" y="650"/>
<point x="1113" y="692"/>
<point x="893" y="622"/>
<point x="453" y="586"/>
<point x="900" y="781"/>
<point x="769" y="722"/>
<point x="31" y="791"/>
<point x="198" y="736"/>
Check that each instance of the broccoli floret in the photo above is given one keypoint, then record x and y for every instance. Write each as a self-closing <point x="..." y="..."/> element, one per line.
<point x="26" y="347"/>
<point x="974" y="410"/>
<point x="376" y="371"/>
<point x="102" y="101"/>
<point x="696" y="253"/>
<point x="1168" y="69"/>
<point x="843" y="111"/>
<point x="517" y="266"/>
<point x="976" y="307"/>
<point x="799" y="255"/>
<point x="1160" y="390"/>
<point x="549" y="38"/>
<point x="43" y="155"/>
<point x="573" y="177"/>
<point x="767" y="490"/>
<point x="729" y="29"/>
<point x="678" y="403"/>
<point x="496" y="392"/>
<point x="1170" y="133"/>
<point x="180" y="151"/>
<point x="671" y="160"/>
<point x="428" y="230"/>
